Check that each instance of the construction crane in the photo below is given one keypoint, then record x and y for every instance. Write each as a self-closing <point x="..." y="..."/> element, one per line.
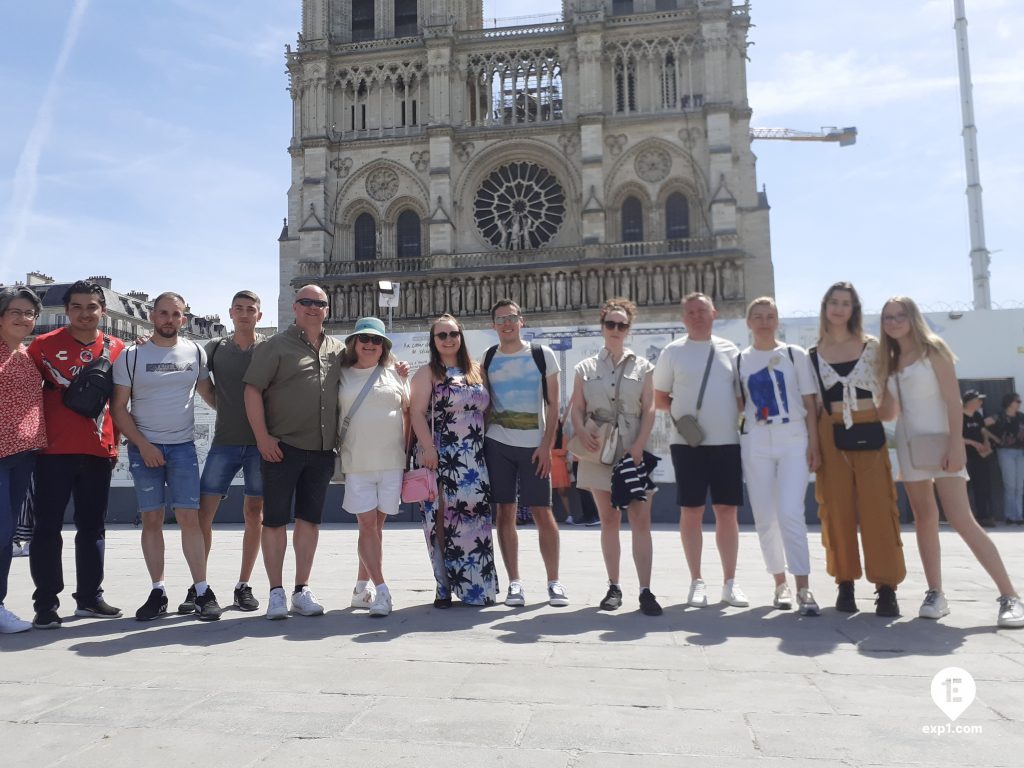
<point x="845" y="136"/>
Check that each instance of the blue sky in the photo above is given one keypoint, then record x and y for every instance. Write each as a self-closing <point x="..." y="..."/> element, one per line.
<point x="147" y="142"/>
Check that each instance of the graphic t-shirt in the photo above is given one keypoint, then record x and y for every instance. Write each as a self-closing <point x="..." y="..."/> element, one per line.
<point x="60" y="357"/>
<point x="163" y="383"/>
<point x="517" y="401"/>
<point x="774" y="384"/>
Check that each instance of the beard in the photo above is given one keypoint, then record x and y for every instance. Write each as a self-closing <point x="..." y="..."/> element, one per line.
<point x="165" y="334"/>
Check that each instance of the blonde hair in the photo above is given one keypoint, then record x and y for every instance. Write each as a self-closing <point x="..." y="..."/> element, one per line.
<point x="762" y="301"/>
<point x="923" y="336"/>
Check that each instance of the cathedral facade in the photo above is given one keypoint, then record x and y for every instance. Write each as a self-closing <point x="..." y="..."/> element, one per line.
<point x="559" y="164"/>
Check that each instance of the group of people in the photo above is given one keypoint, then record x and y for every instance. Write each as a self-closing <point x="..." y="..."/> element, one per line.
<point x="300" y="407"/>
<point x="997" y="438"/>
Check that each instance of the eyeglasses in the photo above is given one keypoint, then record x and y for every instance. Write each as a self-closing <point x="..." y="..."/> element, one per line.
<point x="318" y="303"/>
<point x="28" y="314"/>
<point x="611" y="325"/>
<point x="506" y="320"/>
<point x="900" y="318"/>
<point x="366" y="338"/>
<point x="444" y="335"/>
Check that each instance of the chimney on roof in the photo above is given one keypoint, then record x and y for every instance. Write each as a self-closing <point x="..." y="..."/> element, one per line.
<point x="38" y="278"/>
<point x="101" y="280"/>
<point x="140" y="295"/>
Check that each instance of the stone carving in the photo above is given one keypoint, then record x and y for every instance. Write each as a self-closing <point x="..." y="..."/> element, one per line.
<point x="569" y="142"/>
<point x="530" y="298"/>
<point x="708" y="279"/>
<point x="690" y="280"/>
<point x="469" y="294"/>
<point x="593" y="292"/>
<point x="690" y="136"/>
<point x="658" y="285"/>
<point x="731" y="285"/>
<point x="342" y="166"/>
<point x="421" y="160"/>
<point x="615" y="142"/>
<point x="653" y="164"/>
<point x="464" y="150"/>
<point x="382" y="184"/>
<point x="545" y="292"/>
<point x="519" y="206"/>
<point x="561" y="292"/>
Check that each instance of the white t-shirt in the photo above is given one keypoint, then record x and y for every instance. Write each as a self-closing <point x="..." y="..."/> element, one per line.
<point x="679" y="372"/>
<point x="163" y="383"/>
<point x="375" y="439"/>
<point x="517" y="416"/>
<point x="774" y="384"/>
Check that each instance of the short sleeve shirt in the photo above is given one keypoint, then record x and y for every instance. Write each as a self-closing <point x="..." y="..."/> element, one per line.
<point x="163" y="388"/>
<point x="679" y="372"/>
<point x="375" y="437"/>
<point x="774" y="384"/>
<point x="60" y="357"/>
<point x="517" y="415"/>
<point x="611" y="398"/>
<point x="228" y="363"/>
<point x="300" y="388"/>
<point x="21" y="407"/>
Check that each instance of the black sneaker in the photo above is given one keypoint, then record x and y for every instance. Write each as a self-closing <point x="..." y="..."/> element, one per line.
<point x="612" y="600"/>
<point x="46" y="620"/>
<point x="98" y="610"/>
<point x="844" y="600"/>
<point x="207" y="607"/>
<point x="885" y="604"/>
<point x="649" y="604"/>
<point x="154" y="607"/>
<point x="244" y="600"/>
<point x="592" y="522"/>
<point x="188" y="605"/>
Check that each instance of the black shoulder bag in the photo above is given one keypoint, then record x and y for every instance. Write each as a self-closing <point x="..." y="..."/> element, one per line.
<point x="862" y="436"/>
<point x="89" y="391"/>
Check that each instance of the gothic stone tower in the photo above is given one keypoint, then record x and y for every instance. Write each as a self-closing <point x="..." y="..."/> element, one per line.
<point x="558" y="164"/>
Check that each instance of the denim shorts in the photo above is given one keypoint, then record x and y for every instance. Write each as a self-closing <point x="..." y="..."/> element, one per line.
<point x="223" y="463"/>
<point x="177" y="481"/>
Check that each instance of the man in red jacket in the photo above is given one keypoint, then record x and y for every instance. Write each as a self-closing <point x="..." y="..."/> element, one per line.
<point x="78" y="462"/>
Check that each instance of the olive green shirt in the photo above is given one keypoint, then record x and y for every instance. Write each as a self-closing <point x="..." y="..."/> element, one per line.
<point x="228" y="363"/>
<point x="300" y="388"/>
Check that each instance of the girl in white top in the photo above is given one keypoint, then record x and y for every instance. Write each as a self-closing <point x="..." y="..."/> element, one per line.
<point x="927" y="402"/>
<point x="779" y="446"/>
<point x="373" y="452"/>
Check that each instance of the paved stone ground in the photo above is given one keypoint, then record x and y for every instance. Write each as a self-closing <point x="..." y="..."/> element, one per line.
<point x="535" y="686"/>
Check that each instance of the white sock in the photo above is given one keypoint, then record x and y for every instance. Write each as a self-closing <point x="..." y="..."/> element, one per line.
<point x="241" y="584"/>
<point x="161" y="586"/>
<point x="552" y="583"/>
<point x="201" y="587"/>
<point x="382" y="587"/>
<point x="360" y="587"/>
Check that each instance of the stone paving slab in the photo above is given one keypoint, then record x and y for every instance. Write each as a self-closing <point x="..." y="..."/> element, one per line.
<point x="537" y="686"/>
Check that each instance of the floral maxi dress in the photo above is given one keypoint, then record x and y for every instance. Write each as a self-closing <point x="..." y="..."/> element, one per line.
<point x="466" y="569"/>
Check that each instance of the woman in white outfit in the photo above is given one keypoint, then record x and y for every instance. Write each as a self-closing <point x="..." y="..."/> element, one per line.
<point x="922" y="390"/>
<point x="779" y="446"/>
<point x="373" y="452"/>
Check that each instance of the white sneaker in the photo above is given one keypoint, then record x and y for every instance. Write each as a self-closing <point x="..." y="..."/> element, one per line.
<point x="808" y="606"/>
<point x="515" y="596"/>
<point x="1011" y="611"/>
<point x="305" y="603"/>
<point x="277" y="605"/>
<point x="9" y="623"/>
<point x="698" y="594"/>
<point x="733" y="595"/>
<point x="934" y="605"/>
<point x="557" y="596"/>
<point x="363" y="599"/>
<point x="783" y="597"/>
<point x="381" y="604"/>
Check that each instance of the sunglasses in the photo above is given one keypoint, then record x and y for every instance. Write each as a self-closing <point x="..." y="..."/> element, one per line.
<point x="506" y="319"/>
<point x="366" y="338"/>
<point x="444" y="335"/>
<point x="318" y="303"/>
<point x="611" y="325"/>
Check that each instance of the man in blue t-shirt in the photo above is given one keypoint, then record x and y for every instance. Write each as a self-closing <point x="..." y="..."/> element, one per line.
<point x="521" y="425"/>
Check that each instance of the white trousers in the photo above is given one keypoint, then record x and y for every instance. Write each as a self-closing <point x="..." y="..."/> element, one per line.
<point x="776" y="475"/>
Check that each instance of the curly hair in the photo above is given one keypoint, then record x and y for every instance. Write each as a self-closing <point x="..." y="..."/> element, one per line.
<point x="619" y="304"/>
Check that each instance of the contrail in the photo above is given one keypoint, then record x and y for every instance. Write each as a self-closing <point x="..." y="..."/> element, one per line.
<point x="26" y="176"/>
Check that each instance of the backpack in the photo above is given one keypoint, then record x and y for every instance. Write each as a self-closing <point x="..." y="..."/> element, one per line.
<point x="89" y="391"/>
<point x="538" y="359"/>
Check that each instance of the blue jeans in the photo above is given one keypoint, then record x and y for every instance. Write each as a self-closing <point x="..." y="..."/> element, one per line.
<point x="223" y="462"/>
<point x="1011" y="464"/>
<point x="15" y="473"/>
<point x="177" y="481"/>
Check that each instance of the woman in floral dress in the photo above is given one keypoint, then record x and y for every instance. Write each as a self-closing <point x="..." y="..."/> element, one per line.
<point x="449" y="392"/>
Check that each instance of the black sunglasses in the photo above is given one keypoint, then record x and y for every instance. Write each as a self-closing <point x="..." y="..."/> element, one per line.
<point x="443" y="335"/>
<point x="318" y="303"/>
<point x="611" y="325"/>
<point x="366" y="338"/>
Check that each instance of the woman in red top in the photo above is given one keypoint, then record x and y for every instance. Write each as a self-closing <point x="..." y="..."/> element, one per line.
<point x="22" y="432"/>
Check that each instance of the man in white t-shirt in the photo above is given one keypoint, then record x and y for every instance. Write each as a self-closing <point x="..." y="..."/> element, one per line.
<point x="714" y="464"/>
<point x="522" y="380"/>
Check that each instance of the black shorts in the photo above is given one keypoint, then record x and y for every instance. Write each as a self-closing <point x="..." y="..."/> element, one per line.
<point x="511" y="469"/>
<point x="301" y="475"/>
<point x="703" y="468"/>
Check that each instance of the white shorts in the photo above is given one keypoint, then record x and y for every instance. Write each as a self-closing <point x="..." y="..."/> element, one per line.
<point x="367" y="491"/>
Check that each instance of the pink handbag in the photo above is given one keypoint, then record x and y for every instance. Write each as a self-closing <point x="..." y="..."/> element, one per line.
<point x="419" y="485"/>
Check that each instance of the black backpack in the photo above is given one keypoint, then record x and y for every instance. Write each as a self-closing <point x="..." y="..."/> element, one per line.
<point x="89" y="391"/>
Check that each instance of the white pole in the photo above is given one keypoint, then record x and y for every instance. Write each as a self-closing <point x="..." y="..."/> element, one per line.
<point x="979" y="253"/>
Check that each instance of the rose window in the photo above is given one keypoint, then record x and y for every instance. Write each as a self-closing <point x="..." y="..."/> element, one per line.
<point x="518" y="206"/>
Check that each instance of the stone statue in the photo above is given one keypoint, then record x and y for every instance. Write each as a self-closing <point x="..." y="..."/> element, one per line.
<point x="546" y="299"/>
<point x="610" y="286"/>
<point x="641" y="286"/>
<point x="658" y="285"/>
<point x="593" y="289"/>
<point x="338" y="307"/>
<point x="486" y="296"/>
<point x="561" y="293"/>
<point x="674" y="284"/>
<point x="455" y="297"/>
<point x="708" y="280"/>
<point x="440" y="297"/>
<point x="530" y="297"/>
<point x="469" y="296"/>
<point x="575" y="290"/>
<point x="690" y="279"/>
<point x="424" y="291"/>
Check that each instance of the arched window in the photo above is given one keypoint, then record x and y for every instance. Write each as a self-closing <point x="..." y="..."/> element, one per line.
<point x="632" y="220"/>
<point x="405" y="18"/>
<point x="363" y="27"/>
<point x="677" y="217"/>
<point x="365" y="238"/>
<point x="408" y="235"/>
